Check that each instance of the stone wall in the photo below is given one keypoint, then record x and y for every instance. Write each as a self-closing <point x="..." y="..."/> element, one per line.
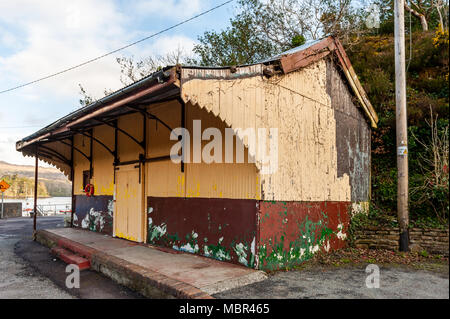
<point x="433" y="241"/>
<point x="11" y="210"/>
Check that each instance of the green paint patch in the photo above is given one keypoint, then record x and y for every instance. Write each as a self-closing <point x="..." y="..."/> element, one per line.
<point x="218" y="251"/>
<point x="311" y="237"/>
<point x="243" y="253"/>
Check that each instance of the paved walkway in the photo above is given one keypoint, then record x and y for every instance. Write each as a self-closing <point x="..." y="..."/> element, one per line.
<point x="164" y="267"/>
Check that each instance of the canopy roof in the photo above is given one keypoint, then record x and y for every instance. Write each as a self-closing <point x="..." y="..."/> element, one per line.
<point x="166" y="85"/>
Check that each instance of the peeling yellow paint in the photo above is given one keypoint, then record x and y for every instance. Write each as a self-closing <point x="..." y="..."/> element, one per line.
<point x="299" y="106"/>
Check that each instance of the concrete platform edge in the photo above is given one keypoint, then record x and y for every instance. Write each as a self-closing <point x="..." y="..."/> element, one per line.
<point x="149" y="283"/>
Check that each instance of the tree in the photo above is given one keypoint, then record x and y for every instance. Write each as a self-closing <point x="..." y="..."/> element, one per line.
<point x="442" y="10"/>
<point x="424" y="15"/>
<point x="132" y="70"/>
<point x="237" y="44"/>
<point x="86" y="99"/>
<point x="264" y="28"/>
<point x="424" y="9"/>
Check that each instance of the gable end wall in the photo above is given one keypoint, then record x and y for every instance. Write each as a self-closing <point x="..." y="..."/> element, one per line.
<point x="352" y="135"/>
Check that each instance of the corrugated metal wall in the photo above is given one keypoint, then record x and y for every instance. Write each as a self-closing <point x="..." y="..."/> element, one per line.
<point x="298" y="105"/>
<point x="215" y="180"/>
<point x="103" y="179"/>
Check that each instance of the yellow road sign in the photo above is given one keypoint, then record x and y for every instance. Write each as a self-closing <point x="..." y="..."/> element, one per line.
<point x="4" y="186"/>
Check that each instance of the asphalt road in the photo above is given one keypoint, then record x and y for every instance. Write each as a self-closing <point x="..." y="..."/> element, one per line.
<point x="348" y="283"/>
<point x="29" y="271"/>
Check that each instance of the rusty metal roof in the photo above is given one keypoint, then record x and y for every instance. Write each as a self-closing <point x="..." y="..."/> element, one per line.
<point x="158" y="77"/>
<point x="291" y="60"/>
<point x="302" y="47"/>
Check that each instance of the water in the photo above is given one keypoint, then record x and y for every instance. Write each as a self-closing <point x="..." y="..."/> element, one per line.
<point x="50" y="205"/>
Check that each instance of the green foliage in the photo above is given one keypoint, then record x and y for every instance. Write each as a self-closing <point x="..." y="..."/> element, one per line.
<point x="262" y="29"/>
<point x="427" y="91"/>
<point x="375" y="216"/>
<point x="427" y="222"/>
<point x="298" y="40"/>
<point x="237" y="44"/>
<point x="426" y="8"/>
<point x="57" y="188"/>
<point x="22" y="187"/>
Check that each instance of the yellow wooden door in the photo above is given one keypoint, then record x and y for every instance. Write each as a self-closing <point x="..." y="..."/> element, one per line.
<point x="128" y="212"/>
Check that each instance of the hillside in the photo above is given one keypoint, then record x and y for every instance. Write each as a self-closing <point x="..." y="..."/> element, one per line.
<point x="428" y="126"/>
<point x="52" y="183"/>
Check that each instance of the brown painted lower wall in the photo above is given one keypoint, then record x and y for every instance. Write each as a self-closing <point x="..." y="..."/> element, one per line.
<point x="291" y="232"/>
<point x="257" y="234"/>
<point x="435" y="241"/>
<point x="94" y="213"/>
<point x="224" y="229"/>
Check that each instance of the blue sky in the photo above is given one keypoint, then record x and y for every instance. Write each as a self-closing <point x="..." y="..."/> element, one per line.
<point x="38" y="38"/>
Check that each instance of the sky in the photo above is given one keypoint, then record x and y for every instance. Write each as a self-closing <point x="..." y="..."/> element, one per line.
<point x="38" y="38"/>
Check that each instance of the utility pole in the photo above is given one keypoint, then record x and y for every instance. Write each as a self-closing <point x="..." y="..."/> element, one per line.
<point x="401" y="125"/>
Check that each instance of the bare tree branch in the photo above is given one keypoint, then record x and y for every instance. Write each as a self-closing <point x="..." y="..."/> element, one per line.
<point x="420" y="16"/>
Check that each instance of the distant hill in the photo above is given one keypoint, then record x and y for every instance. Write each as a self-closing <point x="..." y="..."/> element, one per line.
<point x="28" y="171"/>
<point x="52" y="182"/>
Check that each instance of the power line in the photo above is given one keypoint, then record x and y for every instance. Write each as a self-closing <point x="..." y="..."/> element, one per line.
<point x="117" y="50"/>
<point x="26" y="126"/>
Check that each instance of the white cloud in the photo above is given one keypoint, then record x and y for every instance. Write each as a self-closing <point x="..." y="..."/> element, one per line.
<point x="38" y="38"/>
<point x="59" y="35"/>
<point x="165" y="44"/>
<point x="7" y="39"/>
<point x="170" y="8"/>
<point x="8" y="152"/>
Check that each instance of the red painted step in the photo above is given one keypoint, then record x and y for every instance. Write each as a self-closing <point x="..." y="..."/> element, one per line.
<point x="71" y="258"/>
<point x="77" y="248"/>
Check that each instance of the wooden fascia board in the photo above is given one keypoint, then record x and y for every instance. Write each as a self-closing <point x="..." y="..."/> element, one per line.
<point x="302" y="58"/>
<point x="355" y="84"/>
